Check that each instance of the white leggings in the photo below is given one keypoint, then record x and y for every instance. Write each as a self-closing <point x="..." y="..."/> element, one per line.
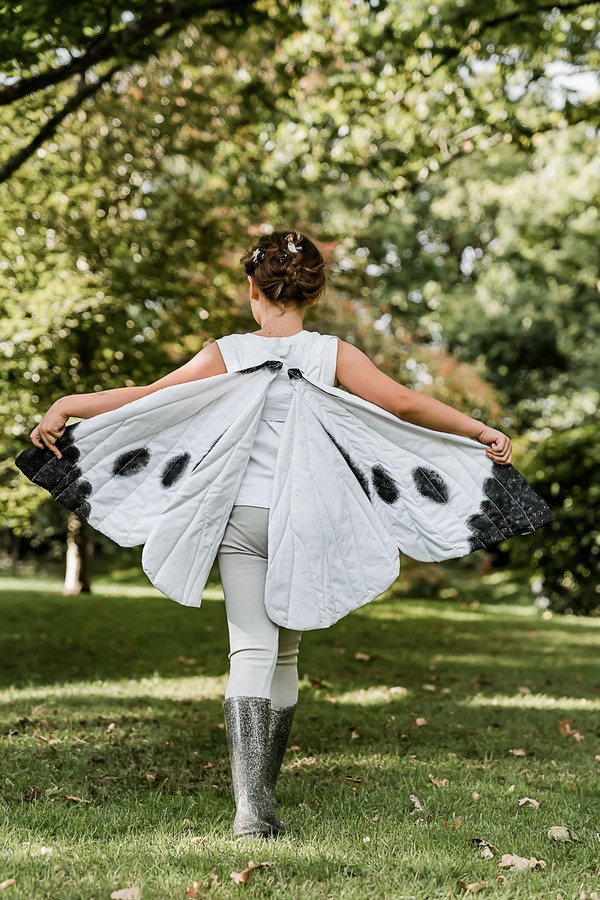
<point x="263" y="656"/>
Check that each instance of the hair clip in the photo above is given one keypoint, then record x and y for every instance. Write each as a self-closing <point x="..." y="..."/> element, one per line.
<point x="258" y="255"/>
<point x="292" y="247"/>
<point x="283" y="257"/>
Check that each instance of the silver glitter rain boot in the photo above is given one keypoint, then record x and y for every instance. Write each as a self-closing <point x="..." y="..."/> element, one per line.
<point x="280" y="725"/>
<point x="247" y="728"/>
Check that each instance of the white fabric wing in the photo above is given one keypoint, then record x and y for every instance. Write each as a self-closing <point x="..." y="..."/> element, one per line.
<point x="120" y="469"/>
<point x="353" y="486"/>
<point x="438" y="495"/>
<point x="329" y="552"/>
<point x="183" y="543"/>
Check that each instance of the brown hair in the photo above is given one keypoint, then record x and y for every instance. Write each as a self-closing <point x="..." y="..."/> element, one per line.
<point x="285" y="276"/>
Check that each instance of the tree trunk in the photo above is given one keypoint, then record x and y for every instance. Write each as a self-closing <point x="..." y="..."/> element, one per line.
<point x="80" y="554"/>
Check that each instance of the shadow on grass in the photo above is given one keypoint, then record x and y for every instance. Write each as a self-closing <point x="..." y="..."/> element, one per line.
<point x="49" y="639"/>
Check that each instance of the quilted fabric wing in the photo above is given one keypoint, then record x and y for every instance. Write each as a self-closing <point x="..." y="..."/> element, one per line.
<point x="329" y="552"/>
<point x="184" y="540"/>
<point x="438" y="495"/>
<point x="120" y="469"/>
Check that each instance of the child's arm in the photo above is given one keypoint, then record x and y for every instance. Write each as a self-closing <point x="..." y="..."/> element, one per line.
<point x="360" y="376"/>
<point x="206" y="363"/>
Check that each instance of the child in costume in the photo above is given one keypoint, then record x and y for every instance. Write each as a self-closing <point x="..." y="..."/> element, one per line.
<point x="292" y="411"/>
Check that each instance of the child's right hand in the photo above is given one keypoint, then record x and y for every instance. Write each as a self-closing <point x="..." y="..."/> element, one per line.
<point x="49" y="430"/>
<point x="500" y="447"/>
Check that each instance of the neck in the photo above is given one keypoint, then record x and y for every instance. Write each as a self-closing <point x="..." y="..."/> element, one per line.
<point x="282" y="324"/>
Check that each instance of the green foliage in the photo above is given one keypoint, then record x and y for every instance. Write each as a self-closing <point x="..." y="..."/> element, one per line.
<point x="565" y="470"/>
<point x="432" y="152"/>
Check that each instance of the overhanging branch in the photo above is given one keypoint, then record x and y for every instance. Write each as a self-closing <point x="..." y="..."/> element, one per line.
<point x="110" y="44"/>
<point x="47" y="130"/>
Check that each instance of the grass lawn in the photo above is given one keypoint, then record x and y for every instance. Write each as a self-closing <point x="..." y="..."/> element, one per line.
<point x="422" y="725"/>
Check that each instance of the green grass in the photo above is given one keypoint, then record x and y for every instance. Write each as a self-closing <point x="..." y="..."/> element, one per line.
<point x="115" y="699"/>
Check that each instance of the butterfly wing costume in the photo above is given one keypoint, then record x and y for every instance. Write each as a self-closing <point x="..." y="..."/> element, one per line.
<point x="353" y="486"/>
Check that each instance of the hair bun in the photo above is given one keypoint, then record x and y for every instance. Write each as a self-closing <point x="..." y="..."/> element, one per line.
<point x="287" y="267"/>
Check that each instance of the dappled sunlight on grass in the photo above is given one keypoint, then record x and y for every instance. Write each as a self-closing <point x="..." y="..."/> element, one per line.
<point x="534" y="701"/>
<point x="372" y="696"/>
<point x="157" y="687"/>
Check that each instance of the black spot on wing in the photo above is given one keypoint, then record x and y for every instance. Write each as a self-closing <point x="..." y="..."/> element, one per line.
<point x="430" y="484"/>
<point x="354" y="467"/>
<point x="273" y="365"/>
<point x="384" y="484"/>
<point x="510" y="506"/>
<point x="294" y="374"/>
<point x="132" y="462"/>
<point x="174" y="469"/>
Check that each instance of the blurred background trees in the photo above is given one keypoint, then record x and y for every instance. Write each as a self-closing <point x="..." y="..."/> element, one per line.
<point x="445" y="159"/>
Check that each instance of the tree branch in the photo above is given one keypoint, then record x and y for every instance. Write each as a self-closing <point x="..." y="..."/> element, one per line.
<point x="47" y="130"/>
<point x="108" y="44"/>
<point x="449" y="53"/>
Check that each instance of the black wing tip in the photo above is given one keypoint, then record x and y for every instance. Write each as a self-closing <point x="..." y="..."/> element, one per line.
<point x="272" y="365"/>
<point x="29" y="461"/>
<point x="294" y="374"/>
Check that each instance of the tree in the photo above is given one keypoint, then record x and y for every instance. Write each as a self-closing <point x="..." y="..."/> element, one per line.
<point x="361" y="125"/>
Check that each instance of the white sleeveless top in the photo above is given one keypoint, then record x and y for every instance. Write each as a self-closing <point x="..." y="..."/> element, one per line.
<point x="316" y="355"/>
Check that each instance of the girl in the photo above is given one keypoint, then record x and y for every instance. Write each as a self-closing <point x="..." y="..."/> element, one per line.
<point x="286" y="275"/>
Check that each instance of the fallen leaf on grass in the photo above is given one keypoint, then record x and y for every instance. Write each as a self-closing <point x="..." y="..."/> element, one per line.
<point x="583" y="895"/>
<point x="420" y="721"/>
<point x="439" y="782"/>
<point x="518" y="751"/>
<point x="47" y="739"/>
<point x="475" y="795"/>
<point x="8" y="883"/>
<point x="472" y="887"/>
<point x="243" y="876"/>
<point x="597" y="757"/>
<point x="561" y="833"/>
<point x="564" y="727"/>
<point x="455" y="823"/>
<point x="353" y="778"/>
<point x="362" y="657"/>
<point x="521" y="862"/>
<point x="130" y="893"/>
<point x="194" y="889"/>
<point x="76" y="799"/>
<point x="418" y="806"/>
<point x="187" y="660"/>
<point x="486" y="849"/>
<point x="116" y="733"/>
<point x="533" y="803"/>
